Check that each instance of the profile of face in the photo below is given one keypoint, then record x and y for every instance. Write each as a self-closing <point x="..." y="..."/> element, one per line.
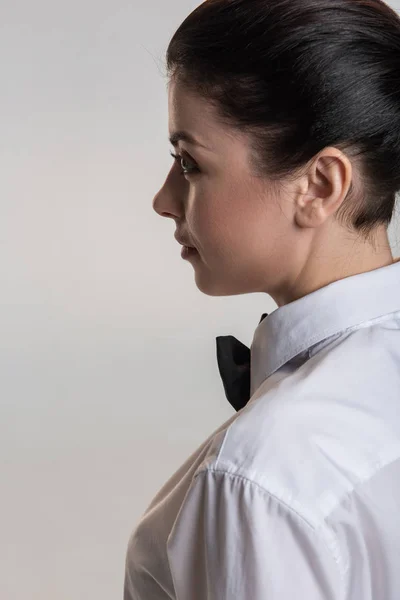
<point x="250" y="234"/>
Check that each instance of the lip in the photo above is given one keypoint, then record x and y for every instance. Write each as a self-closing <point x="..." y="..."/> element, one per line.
<point x="188" y="252"/>
<point x="182" y="241"/>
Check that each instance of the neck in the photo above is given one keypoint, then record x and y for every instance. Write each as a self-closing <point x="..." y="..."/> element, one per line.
<point x="329" y="262"/>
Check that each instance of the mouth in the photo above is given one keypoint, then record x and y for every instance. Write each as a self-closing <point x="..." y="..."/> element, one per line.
<point x="188" y="251"/>
<point x="182" y="241"/>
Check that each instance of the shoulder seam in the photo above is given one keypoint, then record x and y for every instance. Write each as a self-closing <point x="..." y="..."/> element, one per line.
<point x="255" y="484"/>
<point x="290" y="509"/>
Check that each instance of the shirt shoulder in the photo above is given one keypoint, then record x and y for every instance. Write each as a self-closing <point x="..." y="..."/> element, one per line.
<point x="307" y="445"/>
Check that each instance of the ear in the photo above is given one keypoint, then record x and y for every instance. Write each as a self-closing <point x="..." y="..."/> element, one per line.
<point x="324" y="187"/>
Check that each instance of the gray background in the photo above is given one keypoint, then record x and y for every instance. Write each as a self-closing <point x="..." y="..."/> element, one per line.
<point x="108" y="368"/>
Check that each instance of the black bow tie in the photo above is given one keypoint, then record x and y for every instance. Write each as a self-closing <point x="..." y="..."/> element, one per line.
<point x="234" y="367"/>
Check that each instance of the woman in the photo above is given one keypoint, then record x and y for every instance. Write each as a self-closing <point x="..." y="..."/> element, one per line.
<point x="285" y="116"/>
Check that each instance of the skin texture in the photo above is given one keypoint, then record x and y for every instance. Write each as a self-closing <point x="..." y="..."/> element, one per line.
<point x="251" y="235"/>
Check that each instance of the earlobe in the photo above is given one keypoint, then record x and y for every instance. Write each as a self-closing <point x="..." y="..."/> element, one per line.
<point x="306" y="199"/>
<point x="311" y="214"/>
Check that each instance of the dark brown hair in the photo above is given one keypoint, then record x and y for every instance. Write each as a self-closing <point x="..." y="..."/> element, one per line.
<point x="301" y="75"/>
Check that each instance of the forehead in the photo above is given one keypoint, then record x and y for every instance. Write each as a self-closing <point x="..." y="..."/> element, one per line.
<point x="181" y="99"/>
<point x="185" y="107"/>
<point x="193" y="114"/>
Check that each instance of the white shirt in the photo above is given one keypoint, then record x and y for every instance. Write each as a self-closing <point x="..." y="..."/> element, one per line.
<point x="296" y="496"/>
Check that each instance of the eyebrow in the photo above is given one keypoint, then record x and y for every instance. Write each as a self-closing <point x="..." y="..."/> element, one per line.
<point x="185" y="137"/>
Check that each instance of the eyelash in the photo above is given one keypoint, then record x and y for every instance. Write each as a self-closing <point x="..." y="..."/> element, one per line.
<point x="177" y="158"/>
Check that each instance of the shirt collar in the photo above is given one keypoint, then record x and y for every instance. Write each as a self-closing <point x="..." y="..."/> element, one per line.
<point x="296" y="327"/>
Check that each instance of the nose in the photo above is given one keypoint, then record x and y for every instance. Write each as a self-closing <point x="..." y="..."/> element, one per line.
<point x="167" y="202"/>
<point x="159" y="202"/>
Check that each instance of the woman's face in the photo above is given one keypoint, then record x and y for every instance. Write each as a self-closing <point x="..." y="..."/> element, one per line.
<point x="250" y="234"/>
<point x="237" y="223"/>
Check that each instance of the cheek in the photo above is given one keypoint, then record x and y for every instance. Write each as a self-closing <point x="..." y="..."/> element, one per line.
<point x="214" y="220"/>
<point x="234" y="217"/>
<point x="225" y="223"/>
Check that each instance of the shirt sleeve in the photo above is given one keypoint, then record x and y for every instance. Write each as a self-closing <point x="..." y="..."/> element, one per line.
<point x="233" y="540"/>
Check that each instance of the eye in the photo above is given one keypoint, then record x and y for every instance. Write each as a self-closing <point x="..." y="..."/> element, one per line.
<point x="178" y="158"/>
